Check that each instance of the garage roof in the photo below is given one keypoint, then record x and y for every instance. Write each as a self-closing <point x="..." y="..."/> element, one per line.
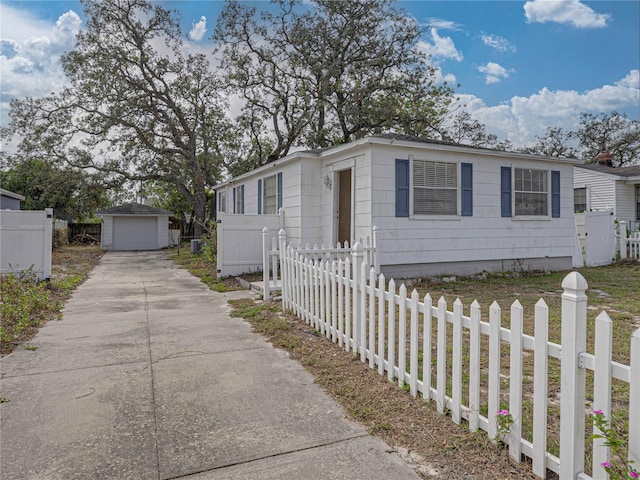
<point x="134" y="209"/>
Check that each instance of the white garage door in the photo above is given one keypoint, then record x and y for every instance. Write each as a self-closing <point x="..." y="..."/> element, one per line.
<point x="135" y="233"/>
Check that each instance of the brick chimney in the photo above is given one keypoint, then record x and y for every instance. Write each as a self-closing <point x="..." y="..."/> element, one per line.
<point x="605" y="158"/>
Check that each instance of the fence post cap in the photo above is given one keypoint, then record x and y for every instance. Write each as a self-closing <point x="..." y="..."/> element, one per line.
<point x="575" y="281"/>
<point x="281" y="233"/>
<point x="265" y="230"/>
<point x="375" y="228"/>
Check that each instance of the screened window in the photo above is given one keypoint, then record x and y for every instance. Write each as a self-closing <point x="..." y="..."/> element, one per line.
<point x="579" y="199"/>
<point x="435" y="188"/>
<point x="637" y="202"/>
<point x="270" y="195"/>
<point x="238" y="199"/>
<point x="222" y="201"/>
<point x="531" y="196"/>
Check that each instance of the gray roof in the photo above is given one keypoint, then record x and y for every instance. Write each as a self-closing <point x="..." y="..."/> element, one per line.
<point x="134" y="209"/>
<point x="631" y="171"/>
<point x="7" y="193"/>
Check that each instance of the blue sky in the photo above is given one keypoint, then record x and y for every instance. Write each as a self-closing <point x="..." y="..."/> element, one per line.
<point x="522" y="66"/>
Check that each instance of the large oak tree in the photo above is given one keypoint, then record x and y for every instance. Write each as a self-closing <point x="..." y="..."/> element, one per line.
<point x="320" y="73"/>
<point x="137" y="104"/>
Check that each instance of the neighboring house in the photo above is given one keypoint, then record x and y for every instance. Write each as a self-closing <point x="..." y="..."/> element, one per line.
<point x="440" y="208"/>
<point x="10" y="200"/>
<point x="600" y="186"/>
<point x="134" y="226"/>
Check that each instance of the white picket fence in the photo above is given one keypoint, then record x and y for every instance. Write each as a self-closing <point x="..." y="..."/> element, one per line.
<point x="346" y="301"/>
<point x="271" y="254"/>
<point x="629" y="246"/>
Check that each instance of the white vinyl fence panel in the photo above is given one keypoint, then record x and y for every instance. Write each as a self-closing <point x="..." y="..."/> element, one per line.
<point x="239" y="241"/>
<point x="348" y="303"/>
<point x="26" y="241"/>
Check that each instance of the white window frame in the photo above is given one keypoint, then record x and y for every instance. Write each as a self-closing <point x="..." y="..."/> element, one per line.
<point x="222" y="201"/>
<point x="530" y="190"/>
<point x="238" y="208"/>
<point x="586" y="193"/>
<point x="265" y="210"/>
<point x="412" y="184"/>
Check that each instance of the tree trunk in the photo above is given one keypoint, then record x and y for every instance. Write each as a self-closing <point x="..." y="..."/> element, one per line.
<point x="200" y="197"/>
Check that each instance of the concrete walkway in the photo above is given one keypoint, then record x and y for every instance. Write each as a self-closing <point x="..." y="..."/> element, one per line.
<point x="147" y="377"/>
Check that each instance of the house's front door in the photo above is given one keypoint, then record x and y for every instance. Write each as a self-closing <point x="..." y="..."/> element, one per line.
<point x="344" y="206"/>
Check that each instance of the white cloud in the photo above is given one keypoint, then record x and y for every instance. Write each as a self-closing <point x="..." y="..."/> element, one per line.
<point x="30" y="54"/>
<point x="498" y="43"/>
<point x="494" y="72"/>
<point x="522" y="118"/>
<point x="441" y="24"/>
<point x="564" y="11"/>
<point x="199" y="29"/>
<point x="441" y="48"/>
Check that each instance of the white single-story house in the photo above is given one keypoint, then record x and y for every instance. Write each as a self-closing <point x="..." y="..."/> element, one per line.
<point x="10" y="200"/>
<point x="134" y="226"/>
<point x="440" y="208"/>
<point x="599" y="187"/>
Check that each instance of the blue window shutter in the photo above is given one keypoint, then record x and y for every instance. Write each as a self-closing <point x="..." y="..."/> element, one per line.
<point x="234" y="199"/>
<point x="219" y="201"/>
<point x="242" y="198"/>
<point x="466" y="173"/>
<point x="505" y="191"/>
<point x="279" y="192"/>
<point x="259" y="196"/>
<point x="402" y="188"/>
<point x="555" y="194"/>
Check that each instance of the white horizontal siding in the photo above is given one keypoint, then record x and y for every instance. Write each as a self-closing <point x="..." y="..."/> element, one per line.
<point x="625" y="201"/>
<point x="600" y="189"/>
<point x="484" y="236"/>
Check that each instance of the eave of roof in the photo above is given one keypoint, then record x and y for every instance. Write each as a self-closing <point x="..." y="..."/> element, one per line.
<point x="134" y="209"/>
<point x="9" y="194"/>
<point x="631" y="173"/>
<point x="391" y="139"/>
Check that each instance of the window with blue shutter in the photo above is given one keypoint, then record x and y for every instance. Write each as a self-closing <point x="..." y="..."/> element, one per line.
<point x="555" y="194"/>
<point x="241" y="198"/>
<point x="402" y="188"/>
<point x="466" y="174"/>
<point x="259" y="196"/>
<point x="505" y="191"/>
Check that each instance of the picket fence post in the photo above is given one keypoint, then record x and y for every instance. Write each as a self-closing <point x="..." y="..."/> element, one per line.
<point x="285" y="279"/>
<point x="265" y="264"/>
<point x="622" y="230"/>
<point x="357" y="254"/>
<point x="634" y="401"/>
<point x="572" y="375"/>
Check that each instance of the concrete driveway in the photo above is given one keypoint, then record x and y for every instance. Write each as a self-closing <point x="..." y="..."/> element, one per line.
<point x="148" y="377"/>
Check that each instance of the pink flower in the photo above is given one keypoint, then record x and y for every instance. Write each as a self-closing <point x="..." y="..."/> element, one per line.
<point x="606" y="465"/>
<point x="598" y="412"/>
<point x="633" y="474"/>
<point x="503" y="412"/>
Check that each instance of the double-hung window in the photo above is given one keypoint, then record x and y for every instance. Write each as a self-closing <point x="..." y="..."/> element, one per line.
<point x="579" y="199"/>
<point x="238" y="199"/>
<point x="435" y="188"/>
<point x="270" y="194"/>
<point x="222" y="201"/>
<point x="429" y="187"/>
<point x="637" y="202"/>
<point x="529" y="192"/>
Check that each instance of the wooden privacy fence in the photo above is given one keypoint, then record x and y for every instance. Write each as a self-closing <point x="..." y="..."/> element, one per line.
<point x="427" y="348"/>
<point x="272" y="268"/>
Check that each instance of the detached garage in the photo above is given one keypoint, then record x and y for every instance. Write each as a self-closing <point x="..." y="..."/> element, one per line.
<point x="134" y="226"/>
